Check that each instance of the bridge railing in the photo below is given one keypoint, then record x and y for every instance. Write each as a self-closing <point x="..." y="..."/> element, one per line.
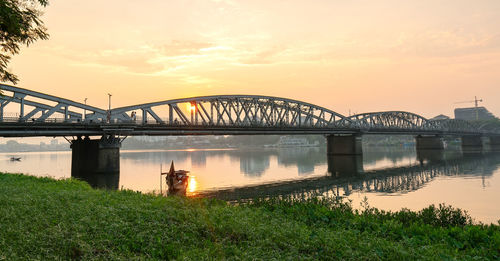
<point x="49" y="120"/>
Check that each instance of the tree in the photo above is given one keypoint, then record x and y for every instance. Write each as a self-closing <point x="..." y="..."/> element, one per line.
<point x="20" y="24"/>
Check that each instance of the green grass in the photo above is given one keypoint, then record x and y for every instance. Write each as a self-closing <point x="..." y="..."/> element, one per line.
<point x="41" y="218"/>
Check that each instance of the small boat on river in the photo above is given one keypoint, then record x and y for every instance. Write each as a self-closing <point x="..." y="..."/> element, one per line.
<point x="177" y="181"/>
<point x="15" y="158"/>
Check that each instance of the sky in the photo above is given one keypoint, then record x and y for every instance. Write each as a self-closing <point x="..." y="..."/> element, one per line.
<point x="348" y="56"/>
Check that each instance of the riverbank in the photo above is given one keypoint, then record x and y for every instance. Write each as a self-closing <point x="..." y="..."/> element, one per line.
<point x="42" y="218"/>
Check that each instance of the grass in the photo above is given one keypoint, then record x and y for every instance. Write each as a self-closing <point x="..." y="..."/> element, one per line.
<point x="42" y="218"/>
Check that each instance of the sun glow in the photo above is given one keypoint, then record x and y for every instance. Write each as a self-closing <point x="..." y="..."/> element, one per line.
<point x="191" y="107"/>
<point x="192" y="185"/>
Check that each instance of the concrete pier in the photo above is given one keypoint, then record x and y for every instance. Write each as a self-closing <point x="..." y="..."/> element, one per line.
<point x="429" y="143"/>
<point x="495" y="143"/>
<point x="473" y="144"/>
<point x="345" y="165"/>
<point x="344" y="145"/>
<point x="430" y="156"/>
<point x="96" y="161"/>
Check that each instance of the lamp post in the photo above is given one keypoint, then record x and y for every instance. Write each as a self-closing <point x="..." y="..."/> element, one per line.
<point x="109" y="108"/>
<point x="84" y="109"/>
<point x="109" y="101"/>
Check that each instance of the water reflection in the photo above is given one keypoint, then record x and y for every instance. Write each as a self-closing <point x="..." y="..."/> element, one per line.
<point x="199" y="160"/>
<point x="100" y="180"/>
<point x="253" y="163"/>
<point x="344" y="165"/>
<point x="346" y="175"/>
<point x="192" y="184"/>
<point x="469" y="181"/>
<point x="256" y="165"/>
<point x="304" y="158"/>
<point x="295" y="169"/>
<point x="437" y="156"/>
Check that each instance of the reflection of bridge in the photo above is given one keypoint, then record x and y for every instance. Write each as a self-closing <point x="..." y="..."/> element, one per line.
<point x="38" y="114"/>
<point x="393" y="180"/>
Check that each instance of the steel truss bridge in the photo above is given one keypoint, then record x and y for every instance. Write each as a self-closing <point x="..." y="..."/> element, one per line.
<point x="29" y="113"/>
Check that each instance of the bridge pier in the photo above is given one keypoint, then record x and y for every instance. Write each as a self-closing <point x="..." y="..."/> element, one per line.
<point x="494" y="143"/>
<point x="473" y="144"/>
<point x="431" y="156"/>
<point x="429" y="143"/>
<point x="96" y="161"/>
<point x="345" y="165"/>
<point x="344" y="145"/>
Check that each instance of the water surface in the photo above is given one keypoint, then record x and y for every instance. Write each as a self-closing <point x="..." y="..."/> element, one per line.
<point x="390" y="179"/>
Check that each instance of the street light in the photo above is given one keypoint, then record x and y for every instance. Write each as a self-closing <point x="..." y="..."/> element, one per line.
<point x="84" y="109"/>
<point x="108" y="118"/>
<point x="109" y="102"/>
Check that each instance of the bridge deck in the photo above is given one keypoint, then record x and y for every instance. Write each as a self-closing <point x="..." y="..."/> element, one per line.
<point x="10" y="129"/>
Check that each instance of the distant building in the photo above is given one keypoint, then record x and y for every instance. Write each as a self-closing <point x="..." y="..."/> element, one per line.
<point x="290" y="141"/>
<point x="151" y="138"/>
<point x="473" y="113"/>
<point x="440" y="117"/>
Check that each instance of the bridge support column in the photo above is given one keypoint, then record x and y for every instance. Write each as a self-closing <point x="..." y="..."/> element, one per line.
<point x="429" y="143"/>
<point x="96" y="161"/>
<point x="473" y="144"/>
<point x="344" y="145"/>
<point x="345" y="165"/>
<point x="430" y="156"/>
<point x="495" y="143"/>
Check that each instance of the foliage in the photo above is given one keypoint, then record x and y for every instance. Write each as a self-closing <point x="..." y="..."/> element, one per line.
<point x="20" y="24"/>
<point x="51" y="220"/>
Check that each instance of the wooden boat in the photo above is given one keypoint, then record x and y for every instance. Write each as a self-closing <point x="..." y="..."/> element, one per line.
<point x="177" y="181"/>
<point x="15" y="159"/>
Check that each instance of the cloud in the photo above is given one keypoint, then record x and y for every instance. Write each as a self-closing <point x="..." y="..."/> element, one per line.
<point x="447" y="43"/>
<point x="145" y="59"/>
<point x="177" y="47"/>
<point x="263" y="57"/>
<point x="227" y="2"/>
<point x="131" y="60"/>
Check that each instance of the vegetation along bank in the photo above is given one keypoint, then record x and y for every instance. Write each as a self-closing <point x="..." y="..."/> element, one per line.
<point x="42" y="218"/>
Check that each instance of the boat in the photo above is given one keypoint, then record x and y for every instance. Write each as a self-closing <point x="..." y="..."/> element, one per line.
<point x="177" y="181"/>
<point x="15" y="158"/>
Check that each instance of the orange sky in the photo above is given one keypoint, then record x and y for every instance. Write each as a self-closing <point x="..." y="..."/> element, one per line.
<point x="359" y="56"/>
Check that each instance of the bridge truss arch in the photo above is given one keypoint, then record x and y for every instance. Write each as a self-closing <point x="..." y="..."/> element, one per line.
<point x="389" y="120"/>
<point x="221" y="114"/>
<point x="233" y="111"/>
<point x="407" y="122"/>
<point x="456" y="126"/>
<point x="32" y="106"/>
<point x="491" y="127"/>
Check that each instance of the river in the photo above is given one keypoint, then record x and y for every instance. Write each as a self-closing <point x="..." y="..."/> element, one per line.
<point x="389" y="179"/>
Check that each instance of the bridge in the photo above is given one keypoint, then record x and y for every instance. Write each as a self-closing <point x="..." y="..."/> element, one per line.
<point x="27" y="113"/>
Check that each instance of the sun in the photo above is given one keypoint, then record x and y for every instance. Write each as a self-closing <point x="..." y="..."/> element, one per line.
<point x="191" y="107"/>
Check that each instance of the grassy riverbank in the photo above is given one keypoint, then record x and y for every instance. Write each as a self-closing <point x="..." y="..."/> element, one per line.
<point x="41" y="218"/>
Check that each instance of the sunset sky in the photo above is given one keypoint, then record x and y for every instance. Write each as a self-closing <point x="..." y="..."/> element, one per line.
<point x="359" y="56"/>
